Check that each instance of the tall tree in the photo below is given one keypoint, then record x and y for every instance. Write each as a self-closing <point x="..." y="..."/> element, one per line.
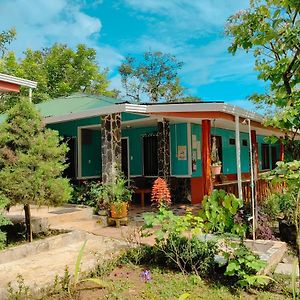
<point x="271" y="28"/>
<point x="32" y="159"/>
<point x="59" y="71"/>
<point x="6" y="37"/>
<point x="154" y="78"/>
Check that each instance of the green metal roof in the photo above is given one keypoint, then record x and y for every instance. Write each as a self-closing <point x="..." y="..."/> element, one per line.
<point x="74" y="103"/>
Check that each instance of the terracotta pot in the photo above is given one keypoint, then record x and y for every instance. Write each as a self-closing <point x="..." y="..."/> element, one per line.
<point x="119" y="211"/>
<point x="216" y="170"/>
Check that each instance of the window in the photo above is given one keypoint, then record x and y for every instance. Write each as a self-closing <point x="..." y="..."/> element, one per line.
<point x="150" y="155"/>
<point x="86" y="136"/>
<point x="244" y="142"/>
<point x="265" y="156"/>
<point x="231" y="141"/>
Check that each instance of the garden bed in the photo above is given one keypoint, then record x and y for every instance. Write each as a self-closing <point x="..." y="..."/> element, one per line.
<point x="125" y="282"/>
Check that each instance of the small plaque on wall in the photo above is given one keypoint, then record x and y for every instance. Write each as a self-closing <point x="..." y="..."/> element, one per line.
<point x="198" y="150"/>
<point x="181" y="152"/>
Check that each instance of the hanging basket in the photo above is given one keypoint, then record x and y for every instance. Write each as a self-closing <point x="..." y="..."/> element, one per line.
<point x="216" y="170"/>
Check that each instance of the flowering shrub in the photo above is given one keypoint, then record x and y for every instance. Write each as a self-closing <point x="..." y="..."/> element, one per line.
<point x="160" y="192"/>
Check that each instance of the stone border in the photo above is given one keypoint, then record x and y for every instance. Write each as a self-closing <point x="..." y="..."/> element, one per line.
<point x="272" y="256"/>
<point x="39" y="246"/>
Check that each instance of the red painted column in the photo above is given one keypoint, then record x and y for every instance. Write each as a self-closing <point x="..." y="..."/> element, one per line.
<point x="281" y="152"/>
<point x="206" y="161"/>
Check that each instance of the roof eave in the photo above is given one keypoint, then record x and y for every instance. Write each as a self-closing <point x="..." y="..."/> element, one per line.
<point x="112" y="109"/>
<point x="18" y="81"/>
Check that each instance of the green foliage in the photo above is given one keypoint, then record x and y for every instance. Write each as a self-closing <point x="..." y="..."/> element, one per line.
<point x="243" y="265"/>
<point x="4" y="201"/>
<point x="20" y="292"/>
<point x="59" y="71"/>
<point x="155" y="77"/>
<point x="166" y="223"/>
<point x="289" y="200"/>
<point x="87" y="193"/>
<point x="218" y="213"/>
<point x="176" y="242"/>
<point x="189" y="255"/>
<point x="6" y="37"/>
<point x="115" y="191"/>
<point x="271" y="29"/>
<point x="32" y="159"/>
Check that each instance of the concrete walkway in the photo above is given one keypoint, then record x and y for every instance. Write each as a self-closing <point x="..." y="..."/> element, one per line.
<point x="39" y="262"/>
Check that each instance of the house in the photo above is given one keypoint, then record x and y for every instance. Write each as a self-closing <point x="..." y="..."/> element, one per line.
<point x="171" y="140"/>
<point x="13" y="84"/>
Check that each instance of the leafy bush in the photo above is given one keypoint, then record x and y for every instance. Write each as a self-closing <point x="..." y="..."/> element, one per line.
<point x="86" y="193"/>
<point x="176" y="242"/>
<point x="3" y="220"/>
<point x="219" y="210"/>
<point x="243" y="266"/>
<point x="189" y="255"/>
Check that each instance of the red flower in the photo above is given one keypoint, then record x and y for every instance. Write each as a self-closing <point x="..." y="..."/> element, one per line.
<point x="160" y="192"/>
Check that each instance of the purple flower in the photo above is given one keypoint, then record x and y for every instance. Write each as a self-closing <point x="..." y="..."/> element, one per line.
<point x="146" y="275"/>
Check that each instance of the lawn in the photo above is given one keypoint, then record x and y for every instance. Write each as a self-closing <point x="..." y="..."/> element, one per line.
<point x="125" y="283"/>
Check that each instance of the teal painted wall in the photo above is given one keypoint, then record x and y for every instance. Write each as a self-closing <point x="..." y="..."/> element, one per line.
<point x="91" y="154"/>
<point x="178" y="137"/>
<point x="70" y="128"/>
<point x="196" y="131"/>
<point x="130" y="117"/>
<point x="136" y="148"/>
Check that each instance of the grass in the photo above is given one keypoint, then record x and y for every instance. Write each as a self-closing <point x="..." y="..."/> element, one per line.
<point x="125" y="283"/>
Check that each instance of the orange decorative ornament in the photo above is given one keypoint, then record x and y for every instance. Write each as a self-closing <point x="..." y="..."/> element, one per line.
<point x="160" y="192"/>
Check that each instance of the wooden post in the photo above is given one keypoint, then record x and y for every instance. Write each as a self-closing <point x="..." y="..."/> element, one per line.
<point x="206" y="160"/>
<point x="238" y="156"/>
<point x="256" y="171"/>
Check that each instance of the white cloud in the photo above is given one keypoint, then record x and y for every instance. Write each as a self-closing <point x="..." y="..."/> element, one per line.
<point x="40" y="23"/>
<point x="192" y="16"/>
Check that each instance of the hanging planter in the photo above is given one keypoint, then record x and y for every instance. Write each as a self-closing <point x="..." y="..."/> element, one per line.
<point x="216" y="164"/>
<point x="216" y="169"/>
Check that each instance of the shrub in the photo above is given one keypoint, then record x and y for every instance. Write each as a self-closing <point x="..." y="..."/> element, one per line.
<point x="176" y="242"/>
<point x="243" y="266"/>
<point x="219" y="211"/>
<point x="189" y="255"/>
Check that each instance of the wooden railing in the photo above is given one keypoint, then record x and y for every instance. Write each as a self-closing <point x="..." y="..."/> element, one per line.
<point x="263" y="188"/>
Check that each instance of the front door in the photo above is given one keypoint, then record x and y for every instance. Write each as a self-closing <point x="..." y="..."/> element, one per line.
<point x="124" y="157"/>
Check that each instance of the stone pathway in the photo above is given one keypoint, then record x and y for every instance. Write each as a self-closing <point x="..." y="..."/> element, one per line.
<point x="39" y="270"/>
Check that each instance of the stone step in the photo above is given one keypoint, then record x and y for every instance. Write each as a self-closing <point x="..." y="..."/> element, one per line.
<point x="43" y="245"/>
<point x="45" y="217"/>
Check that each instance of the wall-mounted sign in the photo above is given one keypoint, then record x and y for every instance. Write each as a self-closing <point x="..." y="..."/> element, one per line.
<point x="181" y="152"/>
<point x="198" y="150"/>
<point x="194" y="141"/>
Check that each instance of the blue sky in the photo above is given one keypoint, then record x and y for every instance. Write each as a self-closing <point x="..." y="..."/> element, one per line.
<point x="193" y="30"/>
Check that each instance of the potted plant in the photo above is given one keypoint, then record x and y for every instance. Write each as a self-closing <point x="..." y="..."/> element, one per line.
<point x="216" y="164"/>
<point x="116" y="195"/>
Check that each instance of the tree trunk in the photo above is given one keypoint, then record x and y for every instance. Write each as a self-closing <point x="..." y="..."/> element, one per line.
<point x="28" y="222"/>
